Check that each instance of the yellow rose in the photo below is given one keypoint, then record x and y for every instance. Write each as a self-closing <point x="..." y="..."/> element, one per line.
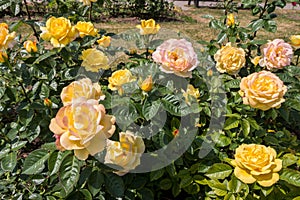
<point x="86" y="28"/>
<point x="87" y="2"/>
<point x="118" y="78"/>
<point x="125" y="153"/>
<point x="3" y="55"/>
<point x="191" y="91"/>
<point x="230" y="20"/>
<point x="83" y="127"/>
<point x="147" y="84"/>
<point x="148" y="27"/>
<point x="6" y="38"/>
<point x="30" y="46"/>
<point x="104" y="41"/>
<point x="58" y="31"/>
<point x="295" y="41"/>
<point x="262" y="90"/>
<point x="84" y="88"/>
<point x="256" y="60"/>
<point x="230" y="59"/>
<point x="256" y="163"/>
<point x="94" y="60"/>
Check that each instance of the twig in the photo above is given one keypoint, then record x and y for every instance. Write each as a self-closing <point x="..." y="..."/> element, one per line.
<point x="27" y="10"/>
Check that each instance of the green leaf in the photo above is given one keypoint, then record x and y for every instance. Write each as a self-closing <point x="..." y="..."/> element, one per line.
<point x="171" y="104"/>
<point x="18" y="145"/>
<point x="69" y="174"/>
<point x="146" y="194"/>
<point x="87" y="195"/>
<point x="231" y="123"/>
<point x="4" y="151"/>
<point x="176" y="189"/>
<point x="154" y="175"/>
<point x="55" y="160"/>
<point x="186" y="181"/>
<point x="44" y="56"/>
<point x="291" y="176"/>
<point x="165" y="184"/>
<point x="257" y="24"/>
<point x="245" y="127"/>
<point x="114" y="185"/>
<point x="34" y="163"/>
<point x="253" y="123"/>
<point x="9" y="162"/>
<point x="95" y="182"/>
<point x="221" y="37"/>
<point x="150" y="109"/>
<point x="220" y="189"/>
<point x="289" y="159"/>
<point x="219" y="171"/>
<point x="235" y="83"/>
<point x="193" y="188"/>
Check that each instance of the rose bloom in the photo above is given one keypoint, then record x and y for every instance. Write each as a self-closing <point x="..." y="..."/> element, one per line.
<point x="276" y="54"/>
<point x="3" y="55"/>
<point x="119" y="78"/>
<point x="230" y="59"/>
<point x="230" y="20"/>
<point x="94" y="60"/>
<point x="295" y="41"/>
<point x="83" y="127"/>
<point x="148" y="27"/>
<point x="176" y="56"/>
<point x="30" y="46"/>
<point x="83" y="88"/>
<point x="6" y="38"/>
<point x="125" y="153"/>
<point x="262" y="90"/>
<point x="147" y="84"/>
<point x="104" y="41"/>
<point x="191" y="92"/>
<point x="58" y="31"/>
<point x="87" y="2"/>
<point x="256" y="163"/>
<point x="86" y="28"/>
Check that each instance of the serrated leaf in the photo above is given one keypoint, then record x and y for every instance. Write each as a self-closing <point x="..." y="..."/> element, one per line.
<point x="219" y="171"/>
<point x="245" y="127"/>
<point x="9" y="162"/>
<point x="69" y="174"/>
<point x="150" y="109"/>
<point x="289" y="159"/>
<point x="154" y="175"/>
<point x="220" y="189"/>
<point x="55" y="160"/>
<point x="291" y="176"/>
<point x="114" y="185"/>
<point x="235" y="83"/>
<point x="44" y="56"/>
<point x="233" y="123"/>
<point x="186" y="181"/>
<point x="34" y="163"/>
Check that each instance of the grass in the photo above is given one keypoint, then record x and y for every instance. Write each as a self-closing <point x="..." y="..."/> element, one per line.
<point x="192" y="23"/>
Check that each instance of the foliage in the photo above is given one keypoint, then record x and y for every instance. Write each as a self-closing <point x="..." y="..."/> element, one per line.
<point x="30" y="85"/>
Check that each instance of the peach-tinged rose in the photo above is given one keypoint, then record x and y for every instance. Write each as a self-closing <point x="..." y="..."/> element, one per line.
<point x="147" y="84"/>
<point x="30" y="46"/>
<point x="176" y="56"/>
<point x="276" y="54"/>
<point x="86" y="28"/>
<point x="230" y="20"/>
<point x="104" y="41"/>
<point x="256" y="163"/>
<point x="94" y="60"/>
<point x="83" y="127"/>
<point x="84" y="89"/>
<point x="295" y="41"/>
<point x="87" y="2"/>
<point x="58" y="31"/>
<point x="3" y="55"/>
<point x="125" y="153"/>
<point x="119" y="78"/>
<point x="191" y="91"/>
<point x="230" y="59"/>
<point x="262" y="90"/>
<point x="6" y="38"/>
<point x="148" y="27"/>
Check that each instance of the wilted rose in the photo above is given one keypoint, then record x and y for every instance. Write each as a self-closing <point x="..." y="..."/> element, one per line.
<point x="276" y="54"/>
<point x="119" y="78"/>
<point x="176" y="56"/>
<point x="58" y="31"/>
<point x="125" y="153"/>
<point x="230" y="59"/>
<point x="83" y="88"/>
<point x="82" y="126"/>
<point x="104" y="41"/>
<point x="30" y="46"/>
<point x="255" y="162"/>
<point x="94" y="60"/>
<point x="262" y="90"/>
<point x="86" y="28"/>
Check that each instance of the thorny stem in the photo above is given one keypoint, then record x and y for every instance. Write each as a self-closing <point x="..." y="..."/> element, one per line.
<point x="90" y="13"/>
<point x="261" y="14"/>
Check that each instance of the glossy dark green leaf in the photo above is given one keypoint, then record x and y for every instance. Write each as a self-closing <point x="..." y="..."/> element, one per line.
<point x="219" y="171"/>
<point x="9" y="162"/>
<point x="34" y="163"/>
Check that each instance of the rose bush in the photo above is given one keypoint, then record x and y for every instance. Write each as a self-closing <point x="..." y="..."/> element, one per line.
<point x="149" y="113"/>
